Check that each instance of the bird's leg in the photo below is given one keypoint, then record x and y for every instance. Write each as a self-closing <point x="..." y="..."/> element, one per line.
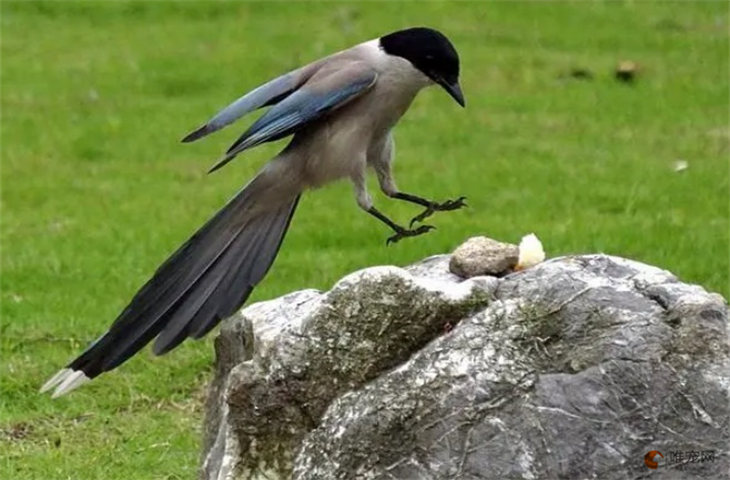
<point x="431" y="206"/>
<point x="383" y="169"/>
<point x="400" y="232"/>
<point x="366" y="203"/>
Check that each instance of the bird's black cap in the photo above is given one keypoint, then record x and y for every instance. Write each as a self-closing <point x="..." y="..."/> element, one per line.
<point x="430" y="52"/>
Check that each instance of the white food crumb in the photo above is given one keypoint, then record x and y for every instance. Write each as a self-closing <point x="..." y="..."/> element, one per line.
<point x="531" y="252"/>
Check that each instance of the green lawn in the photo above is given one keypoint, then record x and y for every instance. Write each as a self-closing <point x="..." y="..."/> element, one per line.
<point x="97" y="189"/>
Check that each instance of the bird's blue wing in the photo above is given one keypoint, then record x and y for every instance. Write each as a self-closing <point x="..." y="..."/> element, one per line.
<point x="269" y="93"/>
<point x="325" y="91"/>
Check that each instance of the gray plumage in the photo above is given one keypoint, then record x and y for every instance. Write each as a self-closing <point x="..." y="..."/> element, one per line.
<point x="325" y="91"/>
<point x="267" y="94"/>
<point x="340" y="111"/>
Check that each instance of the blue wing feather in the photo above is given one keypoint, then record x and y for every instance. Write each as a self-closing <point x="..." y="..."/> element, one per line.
<point x="301" y="108"/>
<point x="267" y="94"/>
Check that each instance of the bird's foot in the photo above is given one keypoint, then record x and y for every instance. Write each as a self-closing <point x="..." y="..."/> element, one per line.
<point x="439" y="207"/>
<point x="403" y="233"/>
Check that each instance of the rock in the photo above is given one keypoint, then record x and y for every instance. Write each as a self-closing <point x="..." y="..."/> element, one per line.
<point x="281" y="363"/>
<point x="626" y="71"/>
<point x="483" y="256"/>
<point x="574" y="368"/>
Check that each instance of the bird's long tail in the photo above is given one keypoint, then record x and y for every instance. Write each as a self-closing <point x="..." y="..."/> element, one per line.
<point x="208" y="278"/>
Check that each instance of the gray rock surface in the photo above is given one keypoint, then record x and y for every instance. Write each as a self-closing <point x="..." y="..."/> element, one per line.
<point x="483" y="256"/>
<point x="574" y="368"/>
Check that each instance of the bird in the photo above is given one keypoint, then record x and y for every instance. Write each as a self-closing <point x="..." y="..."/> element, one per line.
<point x="339" y="112"/>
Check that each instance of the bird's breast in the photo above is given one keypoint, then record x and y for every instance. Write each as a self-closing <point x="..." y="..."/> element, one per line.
<point x="336" y="147"/>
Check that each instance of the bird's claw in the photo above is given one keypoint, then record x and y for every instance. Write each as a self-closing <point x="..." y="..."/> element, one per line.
<point x="439" y="207"/>
<point x="403" y="233"/>
<point x="423" y="215"/>
<point x="452" y="204"/>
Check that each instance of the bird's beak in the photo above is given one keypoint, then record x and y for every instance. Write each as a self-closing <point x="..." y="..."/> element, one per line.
<point x="453" y="89"/>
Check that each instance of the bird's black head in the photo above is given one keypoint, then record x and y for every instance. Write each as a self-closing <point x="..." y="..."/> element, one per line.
<point x="431" y="53"/>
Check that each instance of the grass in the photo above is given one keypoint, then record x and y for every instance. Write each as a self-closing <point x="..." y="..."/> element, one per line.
<point x="97" y="189"/>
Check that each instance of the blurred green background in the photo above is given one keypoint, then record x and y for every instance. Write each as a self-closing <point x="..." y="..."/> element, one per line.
<point x="97" y="189"/>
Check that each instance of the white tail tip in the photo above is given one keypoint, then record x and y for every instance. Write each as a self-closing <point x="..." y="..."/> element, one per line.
<point x="59" y="377"/>
<point x="72" y="380"/>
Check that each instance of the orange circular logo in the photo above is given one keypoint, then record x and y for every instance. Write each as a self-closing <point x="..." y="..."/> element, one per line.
<point x="649" y="459"/>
